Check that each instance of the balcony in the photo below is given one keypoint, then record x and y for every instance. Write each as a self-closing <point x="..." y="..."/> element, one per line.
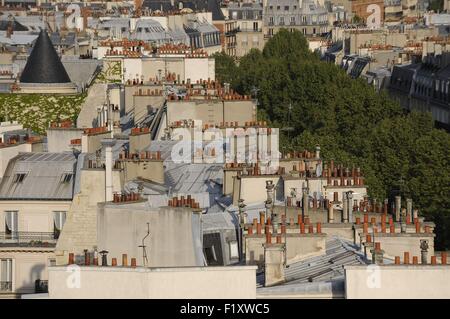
<point x="28" y="239"/>
<point x="5" y="286"/>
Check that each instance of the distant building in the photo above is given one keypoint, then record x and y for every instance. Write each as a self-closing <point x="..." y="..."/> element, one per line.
<point x="309" y="17"/>
<point x="35" y="194"/>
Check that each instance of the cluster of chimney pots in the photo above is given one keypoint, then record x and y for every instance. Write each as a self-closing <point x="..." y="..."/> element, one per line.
<point x="124" y="197"/>
<point x="104" y="261"/>
<point x="144" y="155"/>
<point x="182" y="201"/>
<point x="305" y="227"/>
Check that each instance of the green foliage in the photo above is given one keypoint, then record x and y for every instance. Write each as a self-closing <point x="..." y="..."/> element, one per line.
<point x="225" y="67"/>
<point x="37" y="111"/>
<point x="354" y="124"/>
<point x="436" y="5"/>
<point x="111" y="72"/>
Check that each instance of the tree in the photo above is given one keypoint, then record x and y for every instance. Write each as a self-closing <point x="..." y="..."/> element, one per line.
<point x="225" y="67"/>
<point x="354" y="124"/>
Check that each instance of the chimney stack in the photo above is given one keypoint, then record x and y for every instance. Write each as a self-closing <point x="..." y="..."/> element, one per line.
<point x="344" y="207"/>
<point x="330" y="213"/>
<point x="424" y="251"/>
<point x="409" y="210"/>
<point x="377" y="254"/>
<point x="274" y="263"/>
<point x="108" y="143"/>
<point x="398" y="203"/>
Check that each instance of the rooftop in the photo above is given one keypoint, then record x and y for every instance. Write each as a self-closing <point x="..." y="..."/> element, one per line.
<point x="39" y="176"/>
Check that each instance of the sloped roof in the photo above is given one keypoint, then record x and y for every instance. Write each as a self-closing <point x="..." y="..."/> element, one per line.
<point x="43" y="177"/>
<point x="324" y="268"/>
<point x="16" y="26"/>
<point x="43" y="64"/>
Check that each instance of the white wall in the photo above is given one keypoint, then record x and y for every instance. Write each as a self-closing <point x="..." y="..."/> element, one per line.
<point x="8" y="152"/>
<point x="398" y="281"/>
<point x="150" y="283"/>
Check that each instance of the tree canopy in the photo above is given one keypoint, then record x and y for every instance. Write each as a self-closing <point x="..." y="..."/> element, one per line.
<point x="352" y="122"/>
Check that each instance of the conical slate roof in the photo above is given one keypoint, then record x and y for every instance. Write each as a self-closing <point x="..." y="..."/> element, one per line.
<point x="43" y="65"/>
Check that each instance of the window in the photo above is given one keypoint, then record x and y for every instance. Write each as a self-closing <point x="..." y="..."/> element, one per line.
<point x="255" y="26"/>
<point x="59" y="218"/>
<point x="293" y="20"/>
<point x="234" y="251"/>
<point x="11" y="224"/>
<point x="19" y="177"/>
<point x="234" y="15"/>
<point x="286" y="8"/>
<point x="278" y="7"/>
<point x="281" y="20"/>
<point x="6" y="275"/>
<point x="210" y="255"/>
<point x="66" y="177"/>
<point x="270" y="20"/>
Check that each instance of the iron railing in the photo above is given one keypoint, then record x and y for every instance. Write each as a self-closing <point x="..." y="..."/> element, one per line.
<point x="28" y="239"/>
<point x="5" y="286"/>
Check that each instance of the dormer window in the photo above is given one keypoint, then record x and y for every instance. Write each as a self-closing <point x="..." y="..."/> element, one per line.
<point x="19" y="177"/>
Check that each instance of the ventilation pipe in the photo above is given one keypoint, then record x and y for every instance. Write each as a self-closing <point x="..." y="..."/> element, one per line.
<point x="344" y="207"/>
<point x="398" y="203"/>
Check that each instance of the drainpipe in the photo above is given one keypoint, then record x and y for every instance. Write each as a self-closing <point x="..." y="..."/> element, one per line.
<point x="108" y="143"/>
<point x="344" y="207"/>
<point x="241" y="229"/>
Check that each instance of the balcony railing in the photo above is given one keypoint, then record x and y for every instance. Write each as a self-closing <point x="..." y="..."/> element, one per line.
<point x="5" y="286"/>
<point x="28" y="239"/>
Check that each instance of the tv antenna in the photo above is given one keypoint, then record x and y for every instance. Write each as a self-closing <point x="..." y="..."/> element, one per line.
<point x="143" y="246"/>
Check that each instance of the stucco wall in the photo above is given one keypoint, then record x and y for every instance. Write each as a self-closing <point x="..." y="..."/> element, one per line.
<point x="144" y="283"/>
<point x="28" y="265"/>
<point x="171" y="242"/>
<point x="149" y="169"/>
<point x="33" y="216"/>
<point x="298" y="247"/>
<point x="253" y="188"/>
<point x="398" y="281"/>
<point x="212" y="111"/>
